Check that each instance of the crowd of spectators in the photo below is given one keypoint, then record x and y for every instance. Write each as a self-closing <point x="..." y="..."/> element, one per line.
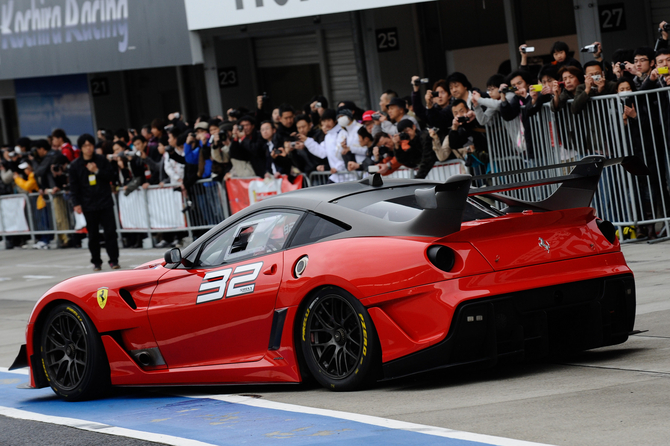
<point x="445" y="121"/>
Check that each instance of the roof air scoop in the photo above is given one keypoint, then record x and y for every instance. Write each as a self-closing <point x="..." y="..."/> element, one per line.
<point x="443" y="203"/>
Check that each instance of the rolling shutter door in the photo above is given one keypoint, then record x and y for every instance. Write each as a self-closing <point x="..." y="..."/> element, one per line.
<point x="660" y="11"/>
<point x="342" y="70"/>
<point x="286" y="51"/>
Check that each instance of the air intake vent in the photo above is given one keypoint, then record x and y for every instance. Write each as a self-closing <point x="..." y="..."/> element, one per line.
<point x="125" y="295"/>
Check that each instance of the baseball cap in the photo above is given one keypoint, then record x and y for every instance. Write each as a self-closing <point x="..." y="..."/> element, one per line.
<point x="202" y="125"/>
<point x="23" y="165"/>
<point x="367" y="116"/>
<point x="398" y="102"/>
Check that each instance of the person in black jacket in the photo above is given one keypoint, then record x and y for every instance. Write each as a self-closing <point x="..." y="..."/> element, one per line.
<point x="90" y="178"/>
<point x="414" y="149"/>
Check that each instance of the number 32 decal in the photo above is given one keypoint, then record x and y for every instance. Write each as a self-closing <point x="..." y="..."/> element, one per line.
<point x="213" y="286"/>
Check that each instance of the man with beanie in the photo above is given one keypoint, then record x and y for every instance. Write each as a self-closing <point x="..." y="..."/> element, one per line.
<point x="90" y="178"/>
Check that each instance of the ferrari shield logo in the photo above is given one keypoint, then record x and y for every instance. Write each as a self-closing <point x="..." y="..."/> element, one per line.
<point x="102" y="296"/>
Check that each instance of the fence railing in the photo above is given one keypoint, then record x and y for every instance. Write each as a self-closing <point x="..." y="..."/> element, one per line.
<point x="547" y="138"/>
<point x="600" y="128"/>
<point x="156" y="209"/>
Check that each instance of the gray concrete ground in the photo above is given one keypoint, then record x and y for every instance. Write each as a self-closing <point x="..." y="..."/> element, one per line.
<point x="611" y="396"/>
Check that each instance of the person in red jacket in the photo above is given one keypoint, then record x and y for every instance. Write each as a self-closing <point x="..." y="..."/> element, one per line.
<point x="60" y="141"/>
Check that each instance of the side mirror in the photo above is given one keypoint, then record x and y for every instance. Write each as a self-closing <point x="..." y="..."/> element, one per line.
<point x="173" y="256"/>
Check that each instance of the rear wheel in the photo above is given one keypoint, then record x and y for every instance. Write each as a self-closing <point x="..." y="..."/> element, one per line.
<point x="338" y="340"/>
<point x="72" y="354"/>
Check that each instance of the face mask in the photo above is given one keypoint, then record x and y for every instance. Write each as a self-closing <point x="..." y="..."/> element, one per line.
<point x="343" y="121"/>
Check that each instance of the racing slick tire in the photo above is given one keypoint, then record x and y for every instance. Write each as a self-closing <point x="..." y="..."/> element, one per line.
<point x="72" y="355"/>
<point x="338" y="341"/>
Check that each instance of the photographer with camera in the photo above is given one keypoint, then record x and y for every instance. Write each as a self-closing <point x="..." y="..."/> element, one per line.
<point x="221" y="141"/>
<point x="328" y="148"/>
<point x="286" y="126"/>
<point x="437" y="112"/>
<point x="261" y="114"/>
<point x="365" y="140"/>
<point x="413" y="148"/>
<point x="91" y="194"/>
<point x="303" y="159"/>
<point x="397" y="111"/>
<point x="466" y="133"/>
<point x="659" y="76"/>
<point x="317" y="105"/>
<point x="594" y="85"/>
<point x="278" y="160"/>
<point x="641" y="68"/>
<point x="565" y="89"/>
<point x="247" y="145"/>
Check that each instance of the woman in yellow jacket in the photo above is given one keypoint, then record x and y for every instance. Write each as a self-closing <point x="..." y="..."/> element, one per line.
<point x="28" y="186"/>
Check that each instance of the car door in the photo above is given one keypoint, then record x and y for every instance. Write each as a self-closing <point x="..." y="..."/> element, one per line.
<point x="220" y="309"/>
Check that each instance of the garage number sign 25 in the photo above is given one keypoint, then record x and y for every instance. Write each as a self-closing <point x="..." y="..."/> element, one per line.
<point x="387" y="40"/>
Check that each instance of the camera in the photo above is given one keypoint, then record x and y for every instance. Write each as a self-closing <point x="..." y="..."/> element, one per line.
<point x="622" y="66"/>
<point x="418" y="82"/>
<point x="509" y="90"/>
<point x="596" y="77"/>
<point x="665" y="28"/>
<point x="404" y="137"/>
<point x="628" y="102"/>
<point x="235" y="114"/>
<point x="265" y="96"/>
<point x="240" y="128"/>
<point x="276" y="152"/>
<point x="535" y="87"/>
<point x="293" y="144"/>
<point x="435" y="94"/>
<point x="319" y="105"/>
<point x="662" y="70"/>
<point x="590" y="49"/>
<point x="435" y="129"/>
<point x="462" y="119"/>
<point x="528" y="49"/>
<point x="376" y="116"/>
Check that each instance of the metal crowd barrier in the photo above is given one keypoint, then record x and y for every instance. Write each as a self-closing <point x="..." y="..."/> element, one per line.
<point x="559" y="137"/>
<point x="440" y="172"/>
<point x="157" y="209"/>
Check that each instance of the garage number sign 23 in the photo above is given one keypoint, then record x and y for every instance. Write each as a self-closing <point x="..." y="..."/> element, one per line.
<point x="214" y="284"/>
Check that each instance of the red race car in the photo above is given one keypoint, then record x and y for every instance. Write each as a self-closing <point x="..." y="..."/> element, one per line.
<point x="348" y="284"/>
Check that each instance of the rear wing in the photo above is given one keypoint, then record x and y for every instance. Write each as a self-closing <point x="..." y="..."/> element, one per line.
<point x="577" y="188"/>
<point x="446" y="202"/>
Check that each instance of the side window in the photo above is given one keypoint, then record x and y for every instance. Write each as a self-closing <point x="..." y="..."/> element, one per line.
<point x="256" y="235"/>
<point x="315" y="228"/>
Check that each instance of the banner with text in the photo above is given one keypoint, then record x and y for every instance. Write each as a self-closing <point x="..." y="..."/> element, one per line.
<point x="205" y="14"/>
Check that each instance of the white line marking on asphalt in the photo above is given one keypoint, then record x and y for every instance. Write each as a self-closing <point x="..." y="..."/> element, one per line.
<point x="38" y="277"/>
<point x="369" y="419"/>
<point x="5" y="279"/>
<point x="99" y="428"/>
<point x="360" y="418"/>
<point x="23" y="371"/>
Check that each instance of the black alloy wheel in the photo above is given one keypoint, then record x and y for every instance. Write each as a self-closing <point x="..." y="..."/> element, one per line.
<point x="72" y="354"/>
<point x="338" y="340"/>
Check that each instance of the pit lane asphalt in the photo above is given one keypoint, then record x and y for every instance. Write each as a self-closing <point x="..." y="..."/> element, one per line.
<point x="617" y="395"/>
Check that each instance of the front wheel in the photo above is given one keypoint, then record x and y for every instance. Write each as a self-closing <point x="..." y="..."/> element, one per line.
<point x="72" y="354"/>
<point x="338" y="340"/>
